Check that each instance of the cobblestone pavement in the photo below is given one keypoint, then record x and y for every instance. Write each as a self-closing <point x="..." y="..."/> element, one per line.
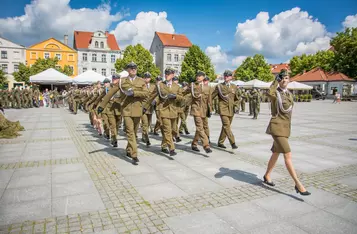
<point x="61" y="177"/>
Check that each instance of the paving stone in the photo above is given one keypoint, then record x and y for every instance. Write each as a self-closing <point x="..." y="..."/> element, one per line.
<point x="22" y="194"/>
<point x="160" y="191"/>
<point x="73" y="188"/>
<point x="346" y="211"/>
<point x="322" y="199"/>
<point x="277" y="227"/>
<point x="145" y="179"/>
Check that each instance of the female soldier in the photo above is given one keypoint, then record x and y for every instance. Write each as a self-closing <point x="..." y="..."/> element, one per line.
<point x="279" y="128"/>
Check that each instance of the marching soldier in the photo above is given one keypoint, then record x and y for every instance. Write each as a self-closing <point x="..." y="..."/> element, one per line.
<point x="31" y="97"/>
<point x="238" y="102"/>
<point x="226" y="93"/>
<point x="107" y="111"/>
<point x="17" y="94"/>
<point x="54" y="97"/>
<point x="147" y="115"/>
<point x="209" y="109"/>
<point x="250" y="101"/>
<point x="180" y="112"/>
<point x="169" y="93"/>
<point x="75" y="99"/>
<point x="133" y="92"/>
<point x="186" y="108"/>
<point x="157" y="114"/>
<point x="201" y="97"/>
<point x="255" y="103"/>
<point x="244" y="99"/>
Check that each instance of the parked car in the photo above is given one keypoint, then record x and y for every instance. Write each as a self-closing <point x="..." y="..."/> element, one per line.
<point x="316" y="94"/>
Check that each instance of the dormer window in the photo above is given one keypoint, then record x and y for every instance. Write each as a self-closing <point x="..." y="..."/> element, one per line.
<point x="96" y="44"/>
<point x="102" y="45"/>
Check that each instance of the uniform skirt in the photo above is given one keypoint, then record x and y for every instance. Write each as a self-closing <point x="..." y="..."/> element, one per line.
<point x="280" y="145"/>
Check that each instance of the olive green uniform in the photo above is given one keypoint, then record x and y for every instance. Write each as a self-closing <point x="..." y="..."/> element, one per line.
<point x="146" y="119"/>
<point x="255" y="103"/>
<point x="54" y="98"/>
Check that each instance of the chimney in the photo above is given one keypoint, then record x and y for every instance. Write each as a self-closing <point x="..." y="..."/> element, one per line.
<point x="65" y="39"/>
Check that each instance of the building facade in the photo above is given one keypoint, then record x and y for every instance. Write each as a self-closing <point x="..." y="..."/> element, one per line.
<point x="97" y="51"/>
<point x="52" y="48"/>
<point x="12" y="55"/>
<point x="169" y="50"/>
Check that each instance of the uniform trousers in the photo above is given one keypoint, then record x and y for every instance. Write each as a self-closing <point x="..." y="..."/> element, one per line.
<point x="226" y="130"/>
<point x="146" y="120"/>
<point x="167" y="128"/>
<point x="242" y="106"/>
<point x="200" y="132"/>
<point x="131" y="128"/>
<point x="158" y="122"/>
<point x="183" y="117"/>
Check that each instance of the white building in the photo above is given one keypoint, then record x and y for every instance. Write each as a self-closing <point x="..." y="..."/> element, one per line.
<point x="97" y="51"/>
<point x="11" y="55"/>
<point x="169" y="50"/>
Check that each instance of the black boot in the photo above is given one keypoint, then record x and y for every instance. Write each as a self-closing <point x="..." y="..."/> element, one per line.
<point x="194" y="148"/>
<point x="172" y="153"/>
<point x="166" y="151"/>
<point x="178" y="139"/>
<point x="234" y="146"/>
<point x="135" y="161"/>
<point x="221" y="146"/>
<point x="115" y="144"/>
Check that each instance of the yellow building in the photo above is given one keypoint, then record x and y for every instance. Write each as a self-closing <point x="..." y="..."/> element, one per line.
<point x="52" y="48"/>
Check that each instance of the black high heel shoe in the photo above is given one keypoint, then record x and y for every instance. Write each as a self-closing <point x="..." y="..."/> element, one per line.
<point x="271" y="183"/>
<point x="306" y="193"/>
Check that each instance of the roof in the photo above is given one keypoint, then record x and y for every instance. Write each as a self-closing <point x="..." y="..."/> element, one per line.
<point x="83" y="39"/>
<point x="176" y="40"/>
<point x="23" y="47"/>
<point x="48" y="40"/>
<point x="50" y="76"/>
<point x="276" y="68"/>
<point x="318" y="74"/>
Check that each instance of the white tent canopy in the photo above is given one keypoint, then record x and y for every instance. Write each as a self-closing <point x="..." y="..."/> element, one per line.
<point x="294" y="85"/>
<point x="238" y="82"/>
<point x="256" y="84"/>
<point x="50" y="76"/>
<point x="88" y="77"/>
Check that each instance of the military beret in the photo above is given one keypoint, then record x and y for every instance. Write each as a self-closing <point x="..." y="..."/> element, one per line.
<point x="131" y="65"/>
<point x="206" y="78"/>
<point x="115" y="76"/>
<point x="106" y="80"/>
<point x="175" y="78"/>
<point x="200" y="73"/>
<point x="158" y="78"/>
<point x="169" y="71"/>
<point x="147" y="75"/>
<point x="227" y="73"/>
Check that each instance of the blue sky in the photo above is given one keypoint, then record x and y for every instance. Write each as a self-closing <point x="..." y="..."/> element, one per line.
<point x="206" y="23"/>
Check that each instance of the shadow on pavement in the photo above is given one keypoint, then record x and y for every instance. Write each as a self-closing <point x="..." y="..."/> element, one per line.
<point x="249" y="178"/>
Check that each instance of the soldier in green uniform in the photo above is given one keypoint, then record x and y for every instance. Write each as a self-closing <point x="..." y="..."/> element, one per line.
<point x="250" y="101"/>
<point x="209" y="108"/>
<point x="114" y="111"/>
<point x="186" y="104"/>
<point x="255" y="96"/>
<point x="25" y="99"/>
<point x="201" y="97"/>
<point x="279" y="128"/>
<point x="75" y="99"/>
<point x="17" y="95"/>
<point x="169" y="93"/>
<point x="147" y="115"/>
<point x="238" y="102"/>
<point x="244" y="99"/>
<point x="180" y="113"/>
<point x="227" y="96"/>
<point x="106" y="112"/>
<point x="133" y="92"/>
<point x="157" y="114"/>
<point x="54" y="97"/>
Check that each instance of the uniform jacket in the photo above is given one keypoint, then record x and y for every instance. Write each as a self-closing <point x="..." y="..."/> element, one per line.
<point x="150" y="89"/>
<point x="227" y="95"/>
<point x="131" y="106"/>
<point x="280" y="123"/>
<point x="167" y="107"/>
<point x="201" y="96"/>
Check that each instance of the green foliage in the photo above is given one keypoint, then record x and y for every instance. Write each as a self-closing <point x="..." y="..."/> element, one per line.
<point x="23" y="75"/>
<point x="322" y="59"/>
<point x="254" y="67"/>
<point x="345" y="45"/>
<point x="67" y="70"/>
<point x="143" y="59"/>
<point x="43" y="64"/>
<point x="3" y="79"/>
<point x="196" y="60"/>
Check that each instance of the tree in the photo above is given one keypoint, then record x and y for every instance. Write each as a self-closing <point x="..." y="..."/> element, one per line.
<point x="143" y="59"/>
<point x="196" y="60"/>
<point x="3" y="79"/>
<point x="67" y="70"/>
<point x="322" y="59"/>
<point x="345" y="47"/>
<point x="254" y="68"/>
<point x="43" y="64"/>
<point x="23" y="75"/>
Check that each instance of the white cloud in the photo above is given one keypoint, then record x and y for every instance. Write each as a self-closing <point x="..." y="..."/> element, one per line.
<point x="288" y="33"/>
<point x="54" y="18"/>
<point x="142" y="28"/>
<point x="350" y="21"/>
<point x="218" y="57"/>
<point x="237" y="61"/>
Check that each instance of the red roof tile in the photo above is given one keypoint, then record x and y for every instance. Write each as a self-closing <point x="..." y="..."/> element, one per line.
<point x="83" y="39"/>
<point x="318" y="74"/>
<point x="176" y="40"/>
<point x="276" y="68"/>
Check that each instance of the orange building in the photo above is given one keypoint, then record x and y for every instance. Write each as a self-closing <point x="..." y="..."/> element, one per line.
<point x="52" y="48"/>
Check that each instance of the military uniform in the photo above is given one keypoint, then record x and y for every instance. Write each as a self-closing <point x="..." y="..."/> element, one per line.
<point x="238" y="102"/>
<point x="147" y="115"/>
<point x="244" y="99"/>
<point x="17" y="95"/>
<point x="255" y="103"/>
<point x="54" y="98"/>
<point x="227" y="95"/>
<point x="186" y="104"/>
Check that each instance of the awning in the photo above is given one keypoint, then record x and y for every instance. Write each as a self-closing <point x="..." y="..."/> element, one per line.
<point x="50" y="76"/>
<point x="88" y="77"/>
<point x="256" y="84"/>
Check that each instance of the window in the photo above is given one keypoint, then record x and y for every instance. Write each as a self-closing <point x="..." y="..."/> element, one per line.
<point x="47" y="55"/>
<point x="84" y="69"/>
<point x="176" y="57"/>
<point x="169" y="57"/>
<point x="85" y="57"/>
<point x="104" y="72"/>
<point x="104" y="58"/>
<point x="59" y="56"/>
<point x="94" y="69"/>
<point x="112" y="58"/>
<point x="96" y="44"/>
<point x="16" y="54"/>
<point x="182" y="57"/>
<point x="4" y="68"/>
<point x="33" y="55"/>
<point x="94" y="57"/>
<point x="102" y="45"/>
<point x="16" y="67"/>
<point x="70" y="57"/>
<point x="3" y="54"/>
<point x="112" y="71"/>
